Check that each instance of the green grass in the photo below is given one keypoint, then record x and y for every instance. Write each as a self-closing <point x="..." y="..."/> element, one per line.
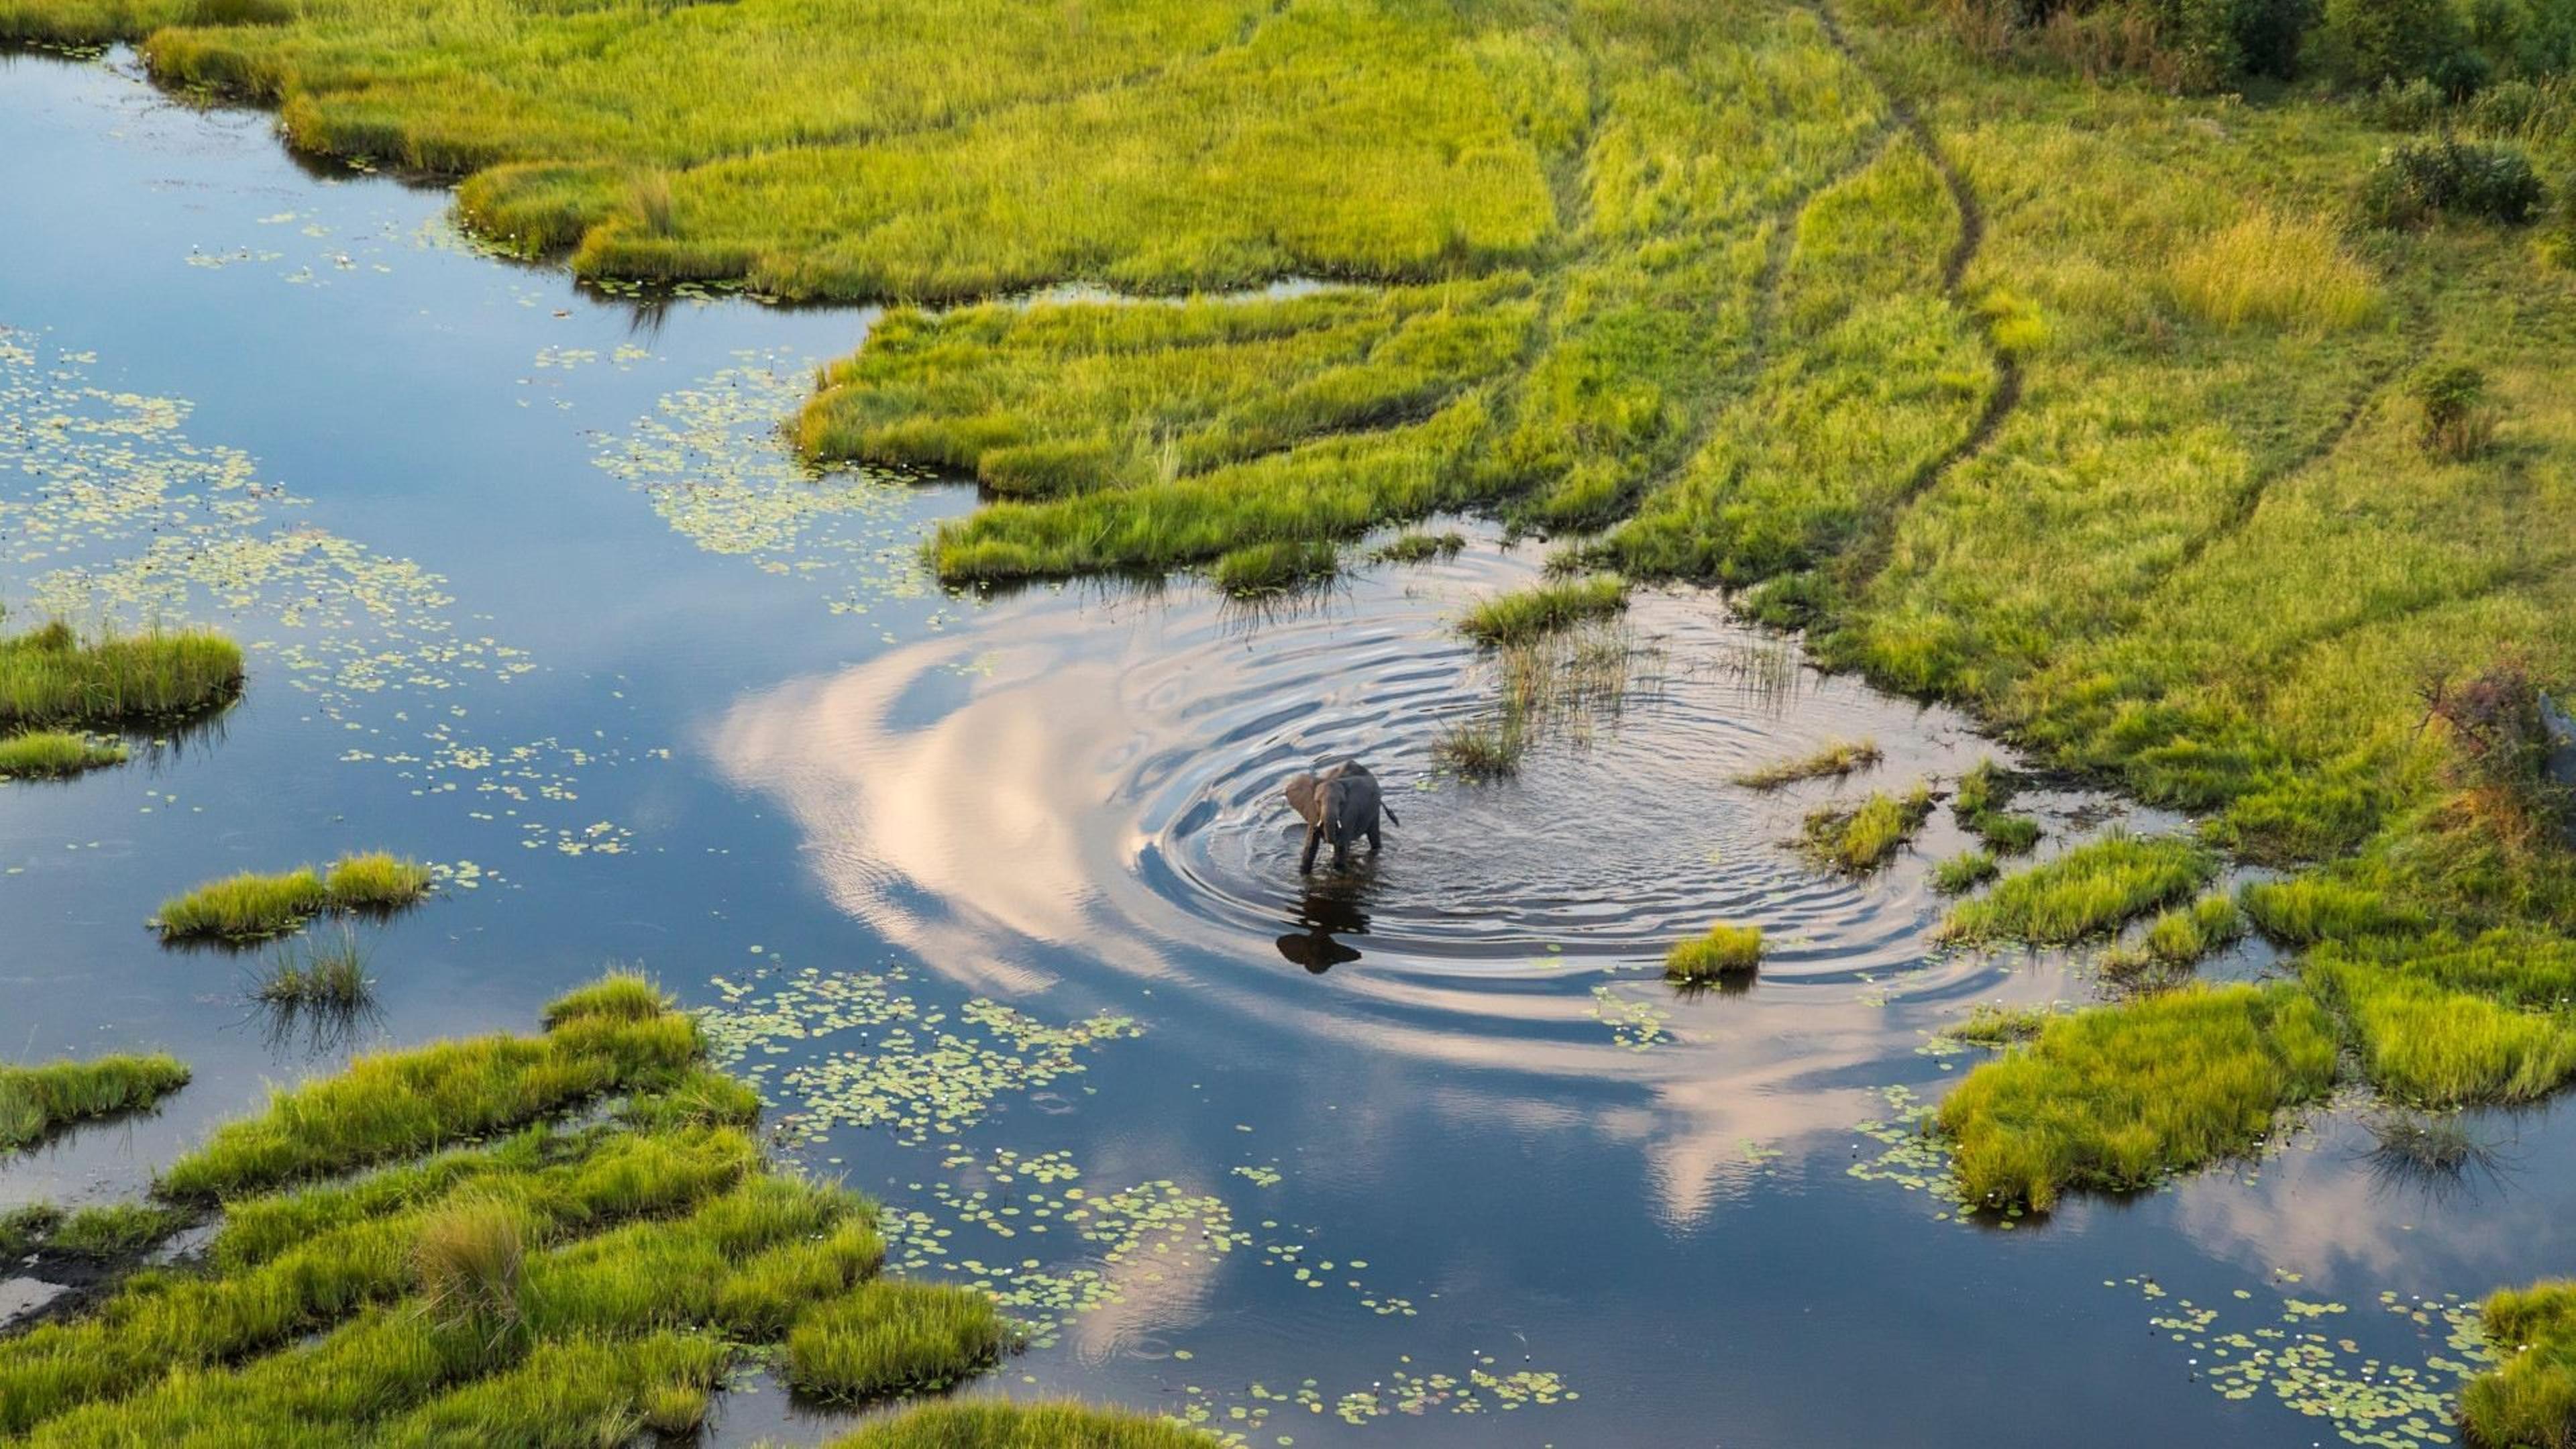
<point x="1487" y="747"/>
<point x="117" y="1230"/>
<point x="2529" y="1398"/>
<point x="2183" y="935"/>
<point x="1964" y="872"/>
<point x="1980" y="805"/>
<point x="885" y="1338"/>
<point x="1864" y="837"/>
<point x="1523" y="615"/>
<point x="376" y="881"/>
<point x="24" y="1229"/>
<point x="325" y="978"/>
<point x="254" y="907"/>
<point x="55" y="755"/>
<point x="50" y="678"/>
<point x="1996" y="1026"/>
<point x="2425" y="1043"/>
<point x="1417" y="547"/>
<point x="1725" y="953"/>
<point x="2092" y="888"/>
<point x="36" y="1102"/>
<point x="245" y="907"/>
<point x="2119" y="1099"/>
<point x="1269" y="568"/>
<point x="991" y="1424"/>
<point x="1831" y="761"/>
<point x="435" y="1247"/>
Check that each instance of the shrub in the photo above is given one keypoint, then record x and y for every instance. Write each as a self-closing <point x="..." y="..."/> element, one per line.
<point x="1726" y="953"/>
<point x="2375" y="42"/>
<point x="2409" y="105"/>
<point x="2456" y="423"/>
<point x="2418" y="180"/>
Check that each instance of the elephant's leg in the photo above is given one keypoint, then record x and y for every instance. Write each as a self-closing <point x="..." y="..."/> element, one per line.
<point x="1372" y="835"/>
<point x="1314" y="837"/>
<point x="1341" y="852"/>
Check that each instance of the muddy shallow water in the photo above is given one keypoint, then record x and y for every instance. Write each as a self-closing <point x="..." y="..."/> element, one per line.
<point x="994" y="900"/>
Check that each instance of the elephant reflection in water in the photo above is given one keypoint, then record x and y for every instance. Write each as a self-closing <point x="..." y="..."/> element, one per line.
<point x="1321" y="916"/>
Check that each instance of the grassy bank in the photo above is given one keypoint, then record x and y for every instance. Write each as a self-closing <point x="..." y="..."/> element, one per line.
<point x="431" y="1246"/>
<point x="36" y="1102"/>
<point x="51" y="678"/>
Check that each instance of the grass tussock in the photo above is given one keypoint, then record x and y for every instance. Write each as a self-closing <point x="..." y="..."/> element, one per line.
<point x="324" y="978"/>
<point x="1864" y="837"/>
<point x="2529" y="1398"/>
<point x="2091" y="889"/>
<point x="1832" y="761"/>
<point x="1984" y="793"/>
<point x="2117" y="1098"/>
<point x="1418" y="547"/>
<point x="1483" y="748"/>
<point x="1561" y="684"/>
<point x="2290" y="273"/>
<point x="1964" y="872"/>
<point x="430" y="1248"/>
<point x="890" y="1337"/>
<point x="1275" y="567"/>
<point x="985" y="1424"/>
<point x="1725" y="953"/>
<point x="251" y="906"/>
<point x="55" y="755"/>
<point x="1524" y="615"/>
<point x="1999" y="1026"/>
<point x="51" y="678"/>
<point x="36" y="1102"/>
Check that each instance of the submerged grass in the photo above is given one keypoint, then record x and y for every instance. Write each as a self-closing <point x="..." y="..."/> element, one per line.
<point x="55" y="755"/>
<point x="52" y="678"/>
<point x="36" y="1102"/>
<point x="326" y="978"/>
<point x="2118" y="1099"/>
<point x="1864" y="837"/>
<point x="542" y="1282"/>
<point x="1832" y="761"/>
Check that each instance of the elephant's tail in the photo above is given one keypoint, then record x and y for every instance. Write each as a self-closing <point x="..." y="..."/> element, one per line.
<point x="1391" y="817"/>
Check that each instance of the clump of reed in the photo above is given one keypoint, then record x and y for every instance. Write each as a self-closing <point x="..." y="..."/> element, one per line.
<point x="52" y="678"/>
<point x="2095" y="887"/>
<point x="886" y="1337"/>
<point x="1830" y="761"/>
<point x="1862" y="838"/>
<point x="1726" y="953"/>
<point x="37" y="1101"/>
<point x="1418" y="547"/>
<point x="55" y="755"/>
<point x="1964" y="872"/>
<point x="322" y="978"/>
<point x="1274" y="567"/>
<point x="469" y="1257"/>
<point x="252" y="906"/>
<point x="1523" y="615"/>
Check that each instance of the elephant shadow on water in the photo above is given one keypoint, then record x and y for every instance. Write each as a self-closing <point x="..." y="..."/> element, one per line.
<point x="1326" y="911"/>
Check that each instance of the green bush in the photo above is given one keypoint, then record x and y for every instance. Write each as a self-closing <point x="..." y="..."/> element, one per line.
<point x="2419" y="180"/>
<point x="2373" y="42"/>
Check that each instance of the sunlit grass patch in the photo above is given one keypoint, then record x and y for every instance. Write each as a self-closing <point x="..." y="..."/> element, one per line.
<point x="2116" y="1098"/>
<point x="376" y="880"/>
<point x="2272" y="270"/>
<point x="2424" y="1043"/>
<point x="2312" y="908"/>
<point x="2183" y="935"/>
<point x="1964" y="872"/>
<point x="615" y="996"/>
<point x="37" y="1101"/>
<point x="55" y="755"/>
<point x="2529" y="1398"/>
<point x="2093" y="888"/>
<point x="885" y="1337"/>
<point x="1984" y="792"/>
<point x="1486" y="747"/>
<point x="244" y="907"/>
<point x="1264" y="568"/>
<point x="1725" y="953"/>
<point x="1834" y="760"/>
<point x="1864" y="837"/>
<point x="1525" y="614"/>
<point x="115" y="1230"/>
<point x="987" y="1424"/>
<point x="51" y="677"/>
<point x="1996" y="1026"/>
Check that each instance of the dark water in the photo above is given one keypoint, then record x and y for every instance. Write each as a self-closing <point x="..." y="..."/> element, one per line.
<point x="994" y="901"/>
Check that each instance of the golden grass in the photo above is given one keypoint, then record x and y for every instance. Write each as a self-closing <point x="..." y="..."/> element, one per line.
<point x="2288" y="273"/>
<point x="1725" y="953"/>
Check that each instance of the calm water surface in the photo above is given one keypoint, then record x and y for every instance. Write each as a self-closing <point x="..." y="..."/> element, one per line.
<point x="994" y="900"/>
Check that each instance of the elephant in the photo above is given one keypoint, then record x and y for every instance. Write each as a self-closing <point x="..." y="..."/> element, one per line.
<point x="1339" y="802"/>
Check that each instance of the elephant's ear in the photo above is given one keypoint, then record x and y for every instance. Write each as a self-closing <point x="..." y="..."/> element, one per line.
<point x="1304" y="797"/>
